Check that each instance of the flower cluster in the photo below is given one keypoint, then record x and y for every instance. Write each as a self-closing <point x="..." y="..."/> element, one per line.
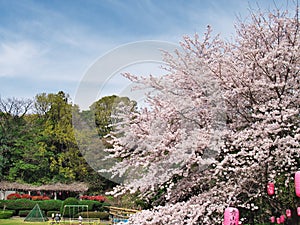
<point x="39" y="197"/>
<point x="14" y="196"/>
<point x="99" y="198"/>
<point x="26" y="196"/>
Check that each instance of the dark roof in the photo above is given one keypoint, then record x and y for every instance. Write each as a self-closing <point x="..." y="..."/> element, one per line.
<point x="74" y="187"/>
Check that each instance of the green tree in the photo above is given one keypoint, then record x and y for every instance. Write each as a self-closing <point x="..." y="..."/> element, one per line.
<point x="103" y="110"/>
<point x="65" y="160"/>
<point x="13" y="134"/>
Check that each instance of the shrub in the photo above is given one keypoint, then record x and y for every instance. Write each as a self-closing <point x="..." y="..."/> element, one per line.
<point x="104" y="206"/>
<point x="68" y="201"/>
<point x="99" y="198"/>
<point x="23" y="213"/>
<point x="98" y="215"/>
<point x="3" y="204"/>
<point x="94" y="205"/>
<point x="13" y="196"/>
<point x="37" y="198"/>
<point x="27" y="196"/>
<point x="27" y="204"/>
<point x="20" y="204"/>
<point x="50" y="205"/>
<point x="89" y="203"/>
<point x="6" y="214"/>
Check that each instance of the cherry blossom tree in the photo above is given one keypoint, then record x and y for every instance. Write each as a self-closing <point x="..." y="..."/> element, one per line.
<point x="221" y="123"/>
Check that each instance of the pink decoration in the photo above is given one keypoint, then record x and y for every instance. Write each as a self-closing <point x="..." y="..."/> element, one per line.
<point x="298" y="211"/>
<point x="231" y="216"/>
<point x="271" y="188"/>
<point x="282" y="219"/>
<point x="272" y="219"/>
<point x="278" y="220"/>
<point x="288" y="213"/>
<point x="297" y="183"/>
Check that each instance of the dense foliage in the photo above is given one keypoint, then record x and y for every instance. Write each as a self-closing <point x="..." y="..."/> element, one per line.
<point x="37" y="142"/>
<point x="6" y="214"/>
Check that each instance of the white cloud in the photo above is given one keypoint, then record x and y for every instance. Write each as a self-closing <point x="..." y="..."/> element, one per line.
<point x="18" y="58"/>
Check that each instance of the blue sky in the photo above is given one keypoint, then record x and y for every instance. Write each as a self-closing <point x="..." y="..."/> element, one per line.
<point x="47" y="46"/>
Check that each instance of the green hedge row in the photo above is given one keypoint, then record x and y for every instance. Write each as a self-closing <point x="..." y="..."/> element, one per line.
<point x="26" y="204"/>
<point x="6" y="214"/>
<point x="51" y="206"/>
<point x="94" y="205"/>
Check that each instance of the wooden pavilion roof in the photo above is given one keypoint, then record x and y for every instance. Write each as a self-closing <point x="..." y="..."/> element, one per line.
<point x="73" y="187"/>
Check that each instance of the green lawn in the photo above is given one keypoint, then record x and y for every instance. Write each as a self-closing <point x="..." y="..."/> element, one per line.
<point x="20" y="221"/>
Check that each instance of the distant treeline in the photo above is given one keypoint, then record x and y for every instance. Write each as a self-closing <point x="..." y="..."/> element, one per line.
<point x="37" y="139"/>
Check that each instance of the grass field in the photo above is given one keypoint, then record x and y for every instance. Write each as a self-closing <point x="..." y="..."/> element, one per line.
<point x="20" y="221"/>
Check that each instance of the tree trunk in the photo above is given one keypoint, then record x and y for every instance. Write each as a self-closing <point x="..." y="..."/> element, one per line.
<point x="295" y="218"/>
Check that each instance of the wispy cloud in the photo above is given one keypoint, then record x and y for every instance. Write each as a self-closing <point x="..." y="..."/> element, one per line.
<point x="17" y="58"/>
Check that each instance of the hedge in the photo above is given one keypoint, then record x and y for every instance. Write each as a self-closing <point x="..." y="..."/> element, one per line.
<point x="26" y="204"/>
<point x="23" y="213"/>
<point x="98" y="215"/>
<point x="94" y="205"/>
<point x="89" y="203"/>
<point x="49" y="213"/>
<point x="68" y="201"/>
<point x="6" y="214"/>
<point x="50" y="205"/>
<point x="18" y="204"/>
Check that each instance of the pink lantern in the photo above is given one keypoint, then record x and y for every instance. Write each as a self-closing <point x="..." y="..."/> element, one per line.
<point x="288" y="213"/>
<point x="231" y="216"/>
<point x="298" y="211"/>
<point x="278" y="220"/>
<point x="297" y="183"/>
<point x="271" y="188"/>
<point x="272" y="219"/>
<point x="282" y="219"/>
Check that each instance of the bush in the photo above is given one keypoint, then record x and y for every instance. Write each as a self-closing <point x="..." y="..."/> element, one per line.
<point x="13" y="196"/>
<point x="98" y="215"/>
<point x="3" y="204"/>
<point x="104" y="207"/>
<point x="27" y="196"/>
<point x="27" y="204"/>
<point x="68" y="201"/>
<point x="37" y="198"/>
<point x="99" y="198"/>
<point x="50" y="205"/>
<point x="90" y="204"/>
<point x="94" y="205"/>
<point x="20" y="204"/>
<point x="6" y="214"/>
<point x="23" y="213"/>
